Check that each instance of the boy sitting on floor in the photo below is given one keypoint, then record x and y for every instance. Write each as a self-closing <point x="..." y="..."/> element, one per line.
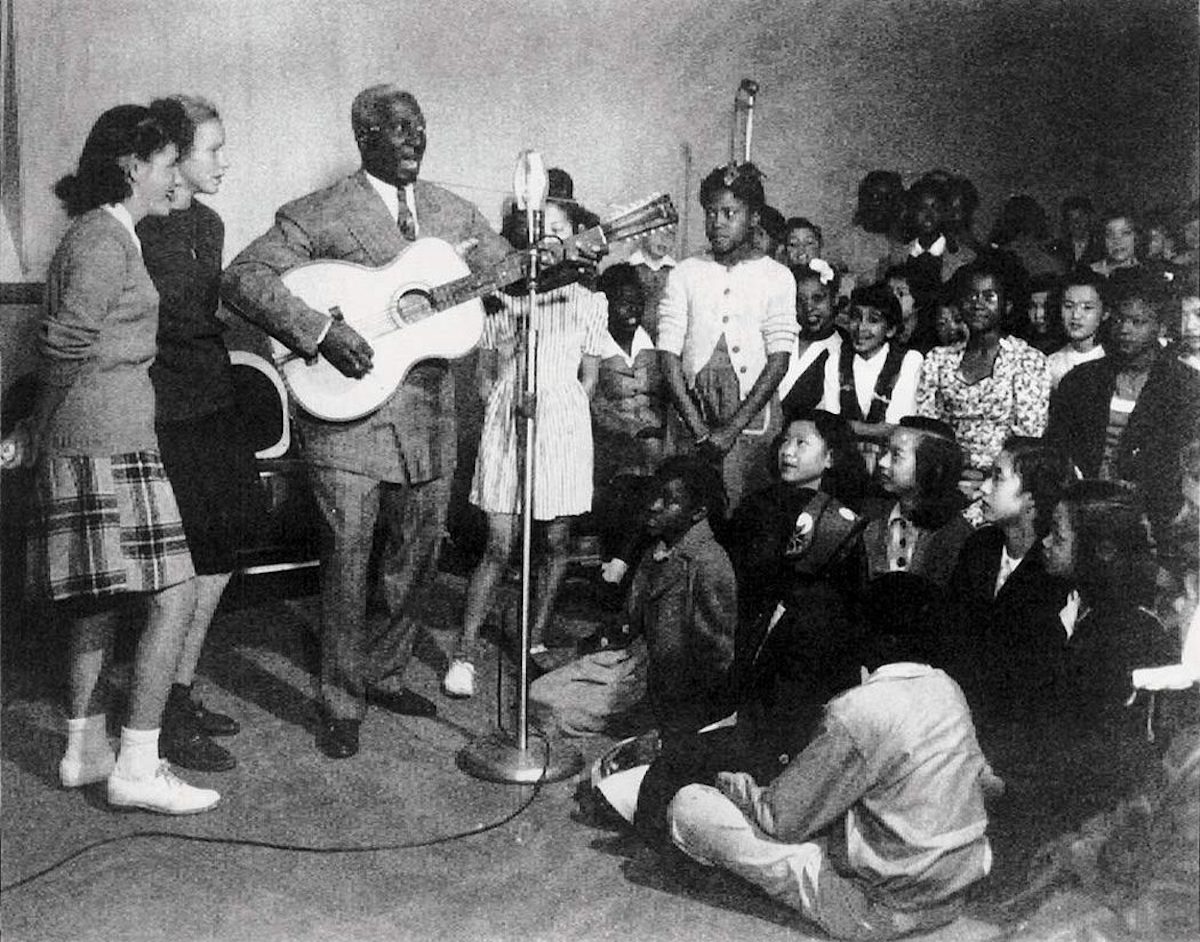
<point x="676" y="646"/>
<point x="875" y="829"/>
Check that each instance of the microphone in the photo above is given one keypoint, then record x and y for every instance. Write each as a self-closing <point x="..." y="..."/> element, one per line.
<point x="530" y="182"/>
<point x="531" y="185"/>
<point x="750" y="87"/>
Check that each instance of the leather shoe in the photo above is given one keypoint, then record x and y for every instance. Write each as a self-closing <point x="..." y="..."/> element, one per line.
<point x="188" y="747"/>
<point x="406" y="703"/>
<point x="338" y="739"/>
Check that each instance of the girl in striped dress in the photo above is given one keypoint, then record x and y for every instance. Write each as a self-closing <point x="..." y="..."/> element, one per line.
<point x="570" y="324"/>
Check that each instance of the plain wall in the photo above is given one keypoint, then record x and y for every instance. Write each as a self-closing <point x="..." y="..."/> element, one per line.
<point x="1044" y="96"/>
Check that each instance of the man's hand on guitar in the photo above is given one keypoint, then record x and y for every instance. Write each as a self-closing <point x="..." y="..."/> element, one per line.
<point x="345" y="348"/>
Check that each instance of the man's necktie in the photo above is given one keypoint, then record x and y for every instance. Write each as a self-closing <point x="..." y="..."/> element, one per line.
<point x="404" y="220"/>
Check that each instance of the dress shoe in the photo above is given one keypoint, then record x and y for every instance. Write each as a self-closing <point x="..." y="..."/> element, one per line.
<point x="187" y="746"/>
<point x="338" y="739"/>
<point x="183" y="707"/>
<point x="406" y="703"/>
<point x="162" y="792"/>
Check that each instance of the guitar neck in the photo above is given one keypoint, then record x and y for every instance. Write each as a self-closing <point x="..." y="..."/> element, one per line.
<point x="480" y="284"/>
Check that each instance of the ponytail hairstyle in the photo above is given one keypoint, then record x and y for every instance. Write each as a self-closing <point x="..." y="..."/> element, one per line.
<point x="101" y="177"/>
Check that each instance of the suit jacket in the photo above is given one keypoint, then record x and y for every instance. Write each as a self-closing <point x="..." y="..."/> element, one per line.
<point x="1166" y="415"/>
<point x="1008" y="643"/>
<point x="411" y="438"/>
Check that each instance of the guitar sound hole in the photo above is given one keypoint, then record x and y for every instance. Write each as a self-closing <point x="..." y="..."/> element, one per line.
<point x="411" y="307"/>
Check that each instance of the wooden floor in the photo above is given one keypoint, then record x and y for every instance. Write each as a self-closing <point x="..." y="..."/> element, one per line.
<point x="549" y="873"/>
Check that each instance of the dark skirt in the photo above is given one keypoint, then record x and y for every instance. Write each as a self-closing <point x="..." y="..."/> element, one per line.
<point x="210" y="462"/>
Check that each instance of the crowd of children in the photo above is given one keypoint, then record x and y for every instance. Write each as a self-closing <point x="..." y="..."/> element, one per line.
<point x="959" y="477"/>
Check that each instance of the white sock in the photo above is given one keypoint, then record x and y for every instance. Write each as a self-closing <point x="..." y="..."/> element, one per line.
<point x="87" y="745"/>
<point x="138" y="757"/>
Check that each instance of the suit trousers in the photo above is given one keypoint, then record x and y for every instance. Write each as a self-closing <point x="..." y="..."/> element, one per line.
<point x="356" y="655"/>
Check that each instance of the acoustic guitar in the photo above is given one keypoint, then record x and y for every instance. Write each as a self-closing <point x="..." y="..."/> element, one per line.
<point x="423" y="305"/>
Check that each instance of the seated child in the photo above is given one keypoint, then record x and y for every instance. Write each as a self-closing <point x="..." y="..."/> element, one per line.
<point x="877" y="377"/>
<point x="1095" y="747"/>
<point x="797" y="556"/>
<point x="1043" y="328"/>
<point x="1083" y="313"/>
<point x="1005" y="605"/>
<point x="812" y="371"/>
<point x="681" y="615"/>
<point x="770" y="232"/>
<point x="919" y="528"/>
<point x="898" y="282"/>
<point x="1125" y="417"/>
<point x="949" y="328"/>
<point x="802" y="242"/>
<point x="629" y="415"/>
<point x="877" y="826"/>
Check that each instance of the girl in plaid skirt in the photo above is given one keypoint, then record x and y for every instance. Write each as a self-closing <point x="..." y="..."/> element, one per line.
<point x="105" y="525"/>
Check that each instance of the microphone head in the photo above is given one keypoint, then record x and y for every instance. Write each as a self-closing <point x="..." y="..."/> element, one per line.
<point x="531" y="184"/>
<point x="750" y="87"/>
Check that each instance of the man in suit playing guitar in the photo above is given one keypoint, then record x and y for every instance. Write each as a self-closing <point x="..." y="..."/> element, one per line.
<point x="393" y="466"/>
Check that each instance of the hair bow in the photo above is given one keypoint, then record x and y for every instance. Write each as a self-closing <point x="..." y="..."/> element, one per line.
<point x="823" y="269"/>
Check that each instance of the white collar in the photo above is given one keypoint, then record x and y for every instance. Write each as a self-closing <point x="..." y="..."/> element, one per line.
<point x="899" y="669"/>
<point x="121" y="214"/>
<point x="638" y="257"/>
<point x="875" y="357"/>
<point x="937" y="250"/>
<point x="391" y="197"/>
<point x="641" y="341"/>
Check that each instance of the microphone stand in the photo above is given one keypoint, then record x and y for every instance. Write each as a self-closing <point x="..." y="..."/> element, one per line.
<point x="501" y="757"/>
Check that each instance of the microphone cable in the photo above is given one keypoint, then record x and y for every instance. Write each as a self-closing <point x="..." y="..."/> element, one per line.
<point x="331" y="849"/>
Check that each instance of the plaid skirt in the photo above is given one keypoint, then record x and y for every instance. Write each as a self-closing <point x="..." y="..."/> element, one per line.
<point x="105" y="526"/>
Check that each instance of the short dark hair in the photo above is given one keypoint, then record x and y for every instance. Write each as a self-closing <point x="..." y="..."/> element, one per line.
<point x="615" y="277"/>
<point x="1138" y="284"/>
<point x="700" y="479"/>
<point x="181" y="115"/>
<point x="800" y="222"/>
<point x="983" y="268"/>
<point x="926" y="186"/>
<point x="879" y="296"/>
<point x="1044" y="472"/>
<point x="100" y="178"/>
<point x="370" y="106"/>
<point x="773" y="223"/>
<point x="808" y="273"/>
<point x="744" y="181"/>
<point x="1114" y="554"/>
<point x="902" y="614"/>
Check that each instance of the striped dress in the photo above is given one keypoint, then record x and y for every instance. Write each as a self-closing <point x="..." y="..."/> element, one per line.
<point x="571" y="323"/>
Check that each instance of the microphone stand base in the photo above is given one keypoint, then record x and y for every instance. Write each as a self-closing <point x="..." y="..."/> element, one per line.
<point x="496" y="758"/>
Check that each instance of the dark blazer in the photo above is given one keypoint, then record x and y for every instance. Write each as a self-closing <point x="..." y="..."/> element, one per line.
<point x="1166" y="416"/>
<point x="686" y="607"/>
<point x="1006" y="646"/>
<point x="412" y="436"/>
